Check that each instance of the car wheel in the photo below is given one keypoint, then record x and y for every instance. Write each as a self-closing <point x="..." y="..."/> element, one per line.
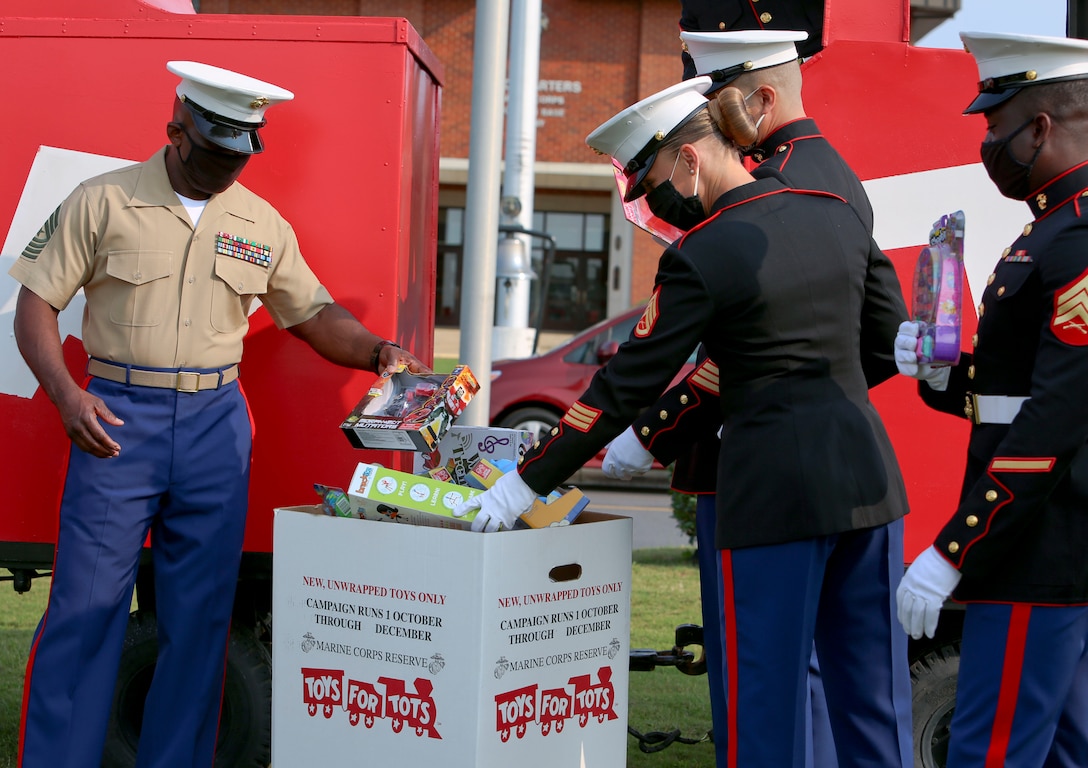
<point x="933" y="682"/>
<point x="539" y="421"/>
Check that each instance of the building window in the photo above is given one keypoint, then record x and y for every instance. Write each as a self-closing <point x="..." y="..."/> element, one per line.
<point x="575" y="279"/>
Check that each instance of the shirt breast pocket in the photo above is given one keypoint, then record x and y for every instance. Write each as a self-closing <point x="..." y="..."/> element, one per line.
<point x="237" y="282"/>
<point x="142" y="288"/>
<point x="1009" y="280"/>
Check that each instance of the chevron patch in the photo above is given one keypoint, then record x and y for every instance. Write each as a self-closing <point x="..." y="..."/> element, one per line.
<point x="1005" y="464"/>
<point x="705" y="377"/>
<point x="648" y="319"/>
<point x="37" y="244"/>
<point x="1070" y="321"/>
<point x="581" y="416"/>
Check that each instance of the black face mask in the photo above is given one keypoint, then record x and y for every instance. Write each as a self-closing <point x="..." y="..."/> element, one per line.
<point x="1011" y="177"/>
<point x="211" y="171"/>
<point x="667" y="204"/>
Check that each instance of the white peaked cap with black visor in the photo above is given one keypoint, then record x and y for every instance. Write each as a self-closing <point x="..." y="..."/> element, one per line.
<point x="725" y="56"/>
<point x="227" y="107"/>
<point x="633" y="136"/>
<point x="1008" y="63"/>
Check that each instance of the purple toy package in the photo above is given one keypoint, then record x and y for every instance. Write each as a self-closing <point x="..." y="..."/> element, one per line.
<point x="938" y="290"/>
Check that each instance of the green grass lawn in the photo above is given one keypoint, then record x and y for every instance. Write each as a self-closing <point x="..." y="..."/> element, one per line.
<point x="664" y="594"/>
<point x="444" y="364"/>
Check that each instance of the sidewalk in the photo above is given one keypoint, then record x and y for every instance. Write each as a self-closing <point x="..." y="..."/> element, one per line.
<point x="447" y="341"/>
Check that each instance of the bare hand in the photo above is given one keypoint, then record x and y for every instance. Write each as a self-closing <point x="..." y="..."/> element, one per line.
<point x="391" y="357"/>
<point x="80" y="415"/>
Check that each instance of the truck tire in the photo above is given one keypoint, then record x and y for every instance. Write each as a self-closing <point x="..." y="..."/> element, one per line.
<point x="245" y="722"/>
<point x="933" y="682"/>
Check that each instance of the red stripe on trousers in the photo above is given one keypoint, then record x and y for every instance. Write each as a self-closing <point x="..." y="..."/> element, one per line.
<point x="729" y="614"/>
<point x="1015" y="643"/>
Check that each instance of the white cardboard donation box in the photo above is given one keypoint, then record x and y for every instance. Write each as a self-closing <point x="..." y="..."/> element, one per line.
<point x="417" y="646"/>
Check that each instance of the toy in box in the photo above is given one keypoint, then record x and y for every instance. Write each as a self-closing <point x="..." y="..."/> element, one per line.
<point x="938" y="287"/>
<point x="408" y="411"/>
<point x="464" y="446"/>
<point x="377" y="493"/>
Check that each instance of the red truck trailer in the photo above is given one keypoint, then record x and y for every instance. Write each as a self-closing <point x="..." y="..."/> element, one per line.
<point x="352" y="163"/>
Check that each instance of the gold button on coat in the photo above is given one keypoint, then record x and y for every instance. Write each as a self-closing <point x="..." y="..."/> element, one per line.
<point x="991" y="495"/>
<point x="1006" y="252"/>
<point x="555" y="430"/>
<point x="1001" y="291"/>
<point x="663" y="415"/>
<point x="1027" y="229"/>
<point x="991" y="278"/>
<point x="981" y="310"/>
<point x="645" y="431"/>
<point x="765" y="17"/>
<point x="954" y="547"/>
<point x="683" y="399"/>
<point x="971" y="372"/>
<point x="972" y="521"/>
<point x="721" y="25"/>
<point x="974" y="340"/>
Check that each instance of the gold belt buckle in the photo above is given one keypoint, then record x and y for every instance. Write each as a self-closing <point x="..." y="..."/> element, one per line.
<point x="970" y="408"/>
<point x="188" y="381"/>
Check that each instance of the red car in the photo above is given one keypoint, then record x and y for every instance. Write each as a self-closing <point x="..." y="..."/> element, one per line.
<point x="533" y="393"/>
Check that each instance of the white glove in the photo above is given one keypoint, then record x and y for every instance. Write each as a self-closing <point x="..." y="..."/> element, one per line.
<point x="626" y="457"/>
<point x="923" y="590"/>
<point x="501" y="506"/>
<point x="906" y="359"/>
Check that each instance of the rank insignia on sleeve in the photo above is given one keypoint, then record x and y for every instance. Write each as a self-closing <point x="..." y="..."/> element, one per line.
<point x="649" y="318"/>
<point x="38" y="243"/>
<point x="581" y="416"/>
<point x="706" y="377"/>
<point x="1070" y="321"/>
<point x="1021" y="464"/>
<point x="246" y="250"/>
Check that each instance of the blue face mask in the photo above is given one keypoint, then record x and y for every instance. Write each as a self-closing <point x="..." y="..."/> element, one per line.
<point x="666" y="203"/>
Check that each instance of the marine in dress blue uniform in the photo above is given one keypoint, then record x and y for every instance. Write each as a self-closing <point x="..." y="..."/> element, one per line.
<point x="774" y="285"/>
<point x="170" y="253"/>
<point x="735" y="15"/>
<point x="1015" y="548"/>
<point x="682" y="427"/>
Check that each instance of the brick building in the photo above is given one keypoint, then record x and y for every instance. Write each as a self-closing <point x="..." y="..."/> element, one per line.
<point x="601" y="264"/>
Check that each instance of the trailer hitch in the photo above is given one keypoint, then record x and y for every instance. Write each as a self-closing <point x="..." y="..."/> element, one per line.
<point x="647" y="659"/>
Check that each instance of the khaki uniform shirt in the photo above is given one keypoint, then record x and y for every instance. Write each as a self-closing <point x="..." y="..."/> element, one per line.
<point x="159" y="293"/>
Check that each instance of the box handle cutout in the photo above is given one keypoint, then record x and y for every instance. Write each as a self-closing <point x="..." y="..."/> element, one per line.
<point x="570" y="572"/>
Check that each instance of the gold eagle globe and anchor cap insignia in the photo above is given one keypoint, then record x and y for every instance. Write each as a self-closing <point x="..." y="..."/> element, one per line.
<point x="227" y="107"/>
<point x="1009" y="62"/>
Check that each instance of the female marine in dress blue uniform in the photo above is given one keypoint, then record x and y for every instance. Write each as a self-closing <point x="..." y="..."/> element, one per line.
<point x="774" y="283"/>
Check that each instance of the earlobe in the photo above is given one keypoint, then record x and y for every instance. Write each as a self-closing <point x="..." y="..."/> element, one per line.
<point x="173" y="133"/>
<point x="690" y="158"/>
<point x="1043" y="126"/>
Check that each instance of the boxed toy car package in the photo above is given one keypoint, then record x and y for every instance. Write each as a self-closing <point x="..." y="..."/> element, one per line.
<point x="407" y="411"/>
<point x="427" y="647"/>
<point x="463" y="447"/>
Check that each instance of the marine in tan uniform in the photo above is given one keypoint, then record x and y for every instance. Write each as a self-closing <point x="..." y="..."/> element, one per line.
<point x="171" y="254"/>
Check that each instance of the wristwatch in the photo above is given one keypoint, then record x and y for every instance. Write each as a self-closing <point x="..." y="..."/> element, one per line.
<point x="377" y="353"/>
